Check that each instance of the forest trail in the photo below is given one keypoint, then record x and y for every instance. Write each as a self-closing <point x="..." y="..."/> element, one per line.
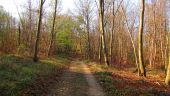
<point x="77" y="81"/>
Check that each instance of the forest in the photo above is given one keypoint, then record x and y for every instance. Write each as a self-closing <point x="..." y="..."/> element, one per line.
<point x="96" y="48"/>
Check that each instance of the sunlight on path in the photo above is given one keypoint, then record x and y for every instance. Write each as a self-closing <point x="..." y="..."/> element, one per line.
<point x="95" y="89"/>
<point x="77" y="81"/>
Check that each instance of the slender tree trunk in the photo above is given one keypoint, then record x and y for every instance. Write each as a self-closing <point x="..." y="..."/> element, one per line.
<point x="19" y="35"/>
<point x="111" y="35"/>
<point x="35" y="59"/>
<point x="140" y="40"/>
<point x="100" y="49"/>
<point x="167" y="64"/>
<point x="53" y="35"/>
<point x="151" y="54"/>
<point x="132" y="41"/>
<point x="162" y="53"/>
<point x="166" y="48"/>
<point x="80" y="44"/>
<point x="30" y="31"/>
<point x="114" y="12"/>
<point x="102" y="32"/>
<point x="166" y="56"/>
<point x="88" y="33"/>
<point x="154" y="21"/>
<point x="167" y="79"/>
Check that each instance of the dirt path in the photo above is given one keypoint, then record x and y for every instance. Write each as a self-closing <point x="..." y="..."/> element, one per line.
<point x="77" y="81"/>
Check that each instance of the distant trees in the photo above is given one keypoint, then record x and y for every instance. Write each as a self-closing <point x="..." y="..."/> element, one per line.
<point x="7" y="32"/>
<point x="114" y="12"/>
<point x="85" y="11"/>
<point x="156" y="28"/>
<point x="129" y="29"/>
<point x="67" y="28"/>
<point x="26" y="28"/>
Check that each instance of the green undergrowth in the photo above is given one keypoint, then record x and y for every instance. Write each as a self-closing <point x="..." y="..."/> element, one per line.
<point x="16" y="73"/>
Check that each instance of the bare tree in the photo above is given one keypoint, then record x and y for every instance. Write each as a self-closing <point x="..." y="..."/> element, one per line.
<point x="131" y="38"/>
<point x="53" y="34"/>
<point x="35" y="59"/>
<point x="114" y="12"/>
<point x="140" y="40"/>
<point x="101" y="12"/>
<point x="167" y="79"/>
<point x="19" y="34"/>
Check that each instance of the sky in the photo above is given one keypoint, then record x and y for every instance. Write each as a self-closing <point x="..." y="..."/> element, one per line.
<point x="10" y="5"/>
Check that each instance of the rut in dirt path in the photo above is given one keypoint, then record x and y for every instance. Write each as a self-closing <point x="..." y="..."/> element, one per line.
<point x="77" y="81"/>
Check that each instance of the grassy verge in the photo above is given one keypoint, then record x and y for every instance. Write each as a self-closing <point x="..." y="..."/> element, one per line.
<point x="18" y="74"/>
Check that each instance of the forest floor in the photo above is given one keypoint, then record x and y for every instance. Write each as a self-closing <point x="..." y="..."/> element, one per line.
<point x="20" y="76"/>
<point x="124" y="82"/>
<point x="72" y="77"/>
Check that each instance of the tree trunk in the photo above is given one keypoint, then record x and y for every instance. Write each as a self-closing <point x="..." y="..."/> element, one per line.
<point x="140" y="40"/>
<point x="99" y="48"/>
<point x="35" y="59"/>
<point x="167" y="79"/>
<point x="102" y="32"/>
<point x="111" y="35"/>
<point x="19" y="34"/>
<point x="167" y="65"/>
<point x="52" y="30"/>
<point x="166" y="48"/>
<point x="88" y="33"/>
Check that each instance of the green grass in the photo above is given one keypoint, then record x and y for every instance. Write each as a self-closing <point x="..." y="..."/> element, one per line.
<point x="16" y="73"/>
